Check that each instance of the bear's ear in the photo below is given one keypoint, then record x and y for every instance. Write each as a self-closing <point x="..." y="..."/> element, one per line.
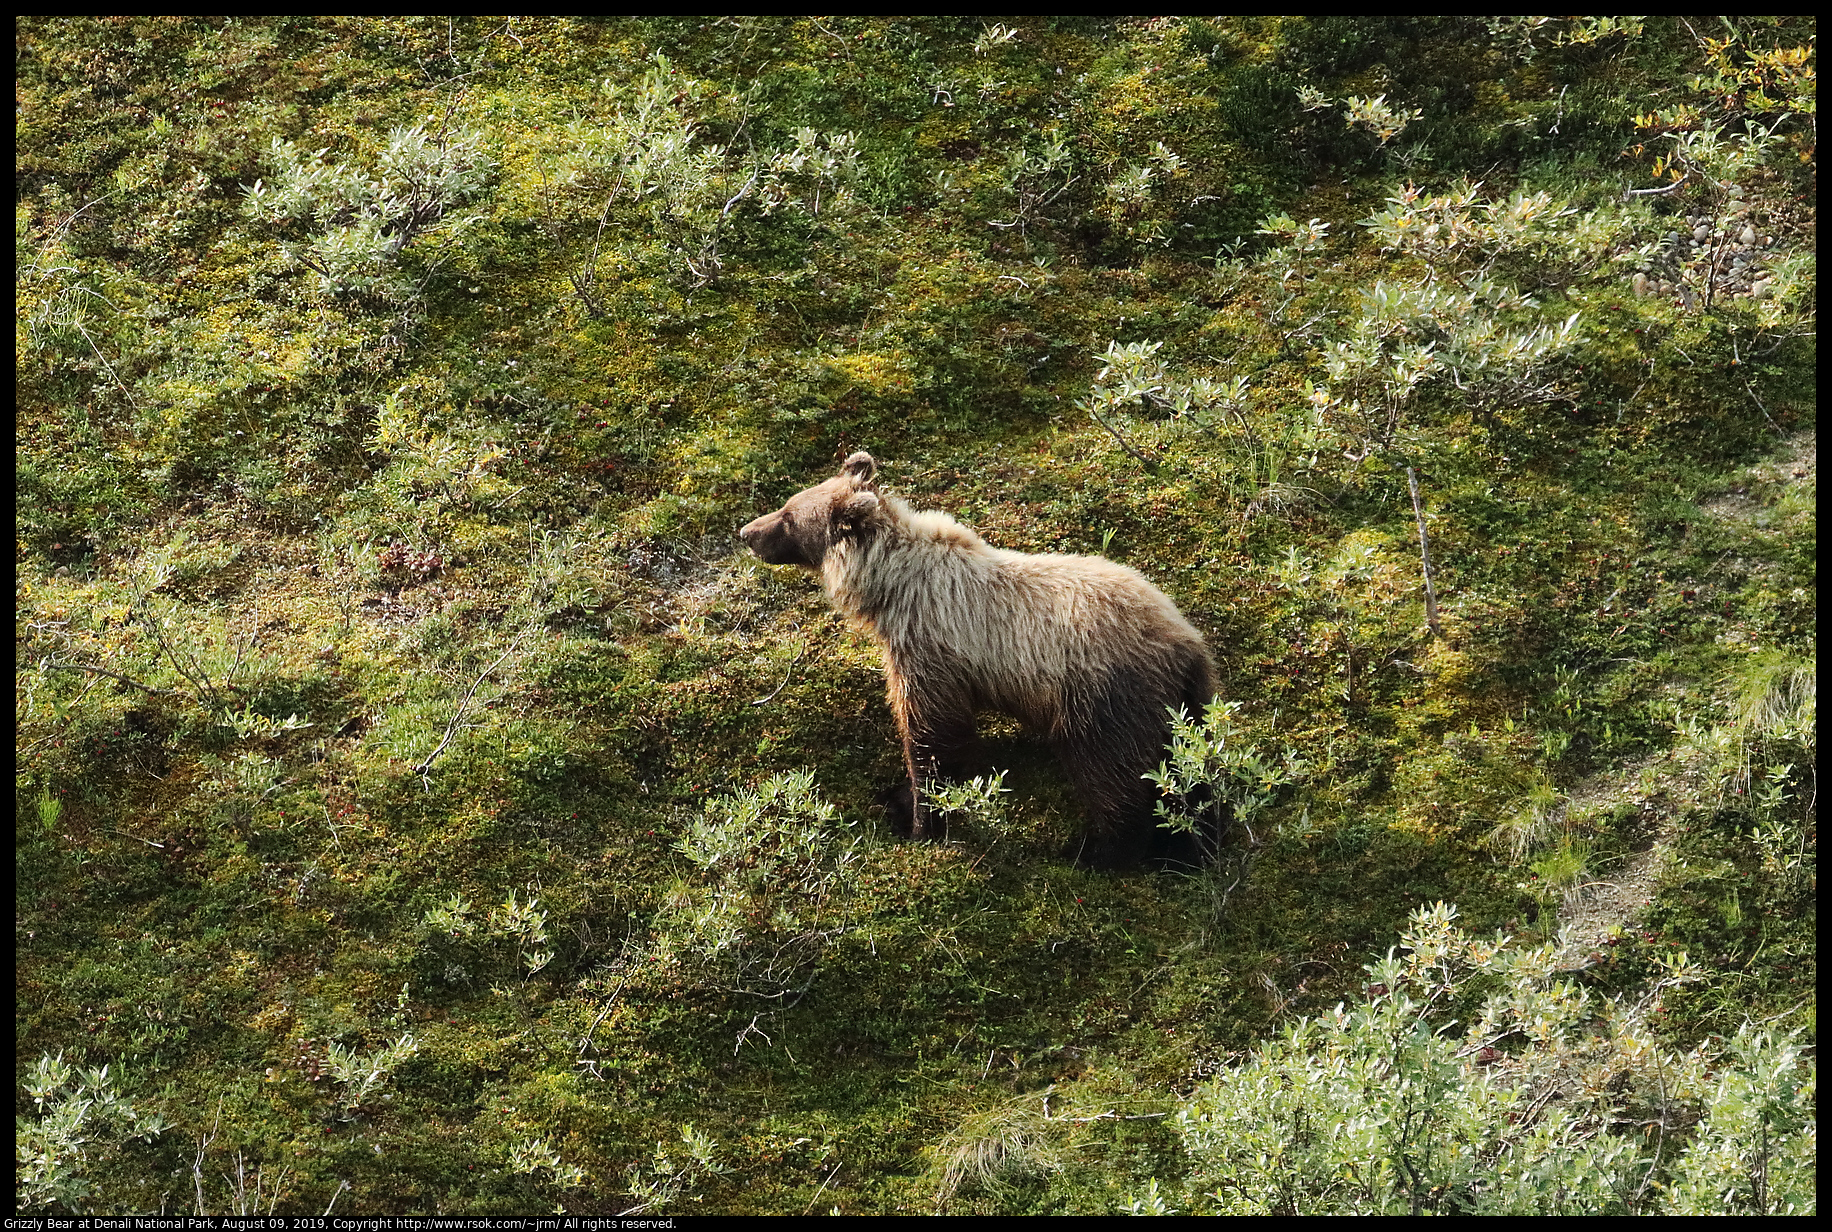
<point x="852" y="512"/>
<point x="860" y="466"/>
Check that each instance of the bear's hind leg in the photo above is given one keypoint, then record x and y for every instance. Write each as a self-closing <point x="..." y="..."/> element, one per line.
<point x="1116" y="801"/>
<point x="1116" y="735"/>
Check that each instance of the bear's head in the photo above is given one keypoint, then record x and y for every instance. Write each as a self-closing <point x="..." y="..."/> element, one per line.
<point x="801" y="532"/>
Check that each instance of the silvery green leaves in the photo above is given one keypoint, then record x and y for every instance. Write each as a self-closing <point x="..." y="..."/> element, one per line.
<point x="514" y="919"/>
<point x="673" y="1176"/>
<point x="1037" y="179"/>
<point x="670" y="198"/>
<point x="1132" y="376"/>
<point x="81" y="1115"/>
<point x="1134" y="200"/>
<point x="353" y="221"/>
<point x="816" y="172"/>
<point x="1480" y="337"/>
<point x="1549" y="1101"/>
<point x="1211" y="765"/>
<point x="362" y="1072"/>
<point x="1134" y="384"/>
<point x="1458" y="224"/>
<point x="1296" y="241"/>
<point x="772" y="890"/>
<point x="1378" y="117"/>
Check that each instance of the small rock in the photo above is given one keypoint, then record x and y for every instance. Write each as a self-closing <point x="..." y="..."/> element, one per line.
<point x="1640" y="283"/>
<point x="1748" y="236"/>
<point x="1701" y="234"/>
<point x="1763" y="289"/>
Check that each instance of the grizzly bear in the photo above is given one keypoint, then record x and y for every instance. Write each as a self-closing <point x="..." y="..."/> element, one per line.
<point x="1083" y="651"/>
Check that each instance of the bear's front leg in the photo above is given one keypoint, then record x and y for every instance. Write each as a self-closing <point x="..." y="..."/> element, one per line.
<point x="898" y="803"/>
<point x="938" y="742"/>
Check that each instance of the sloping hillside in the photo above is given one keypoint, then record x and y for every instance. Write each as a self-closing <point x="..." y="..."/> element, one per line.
<point x="427" y="806"/>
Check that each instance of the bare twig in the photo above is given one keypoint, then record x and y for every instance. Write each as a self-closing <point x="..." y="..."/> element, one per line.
<point x="739" y="195"/>
<point x="207" y="693"/>
<point x="749" y="1031"/>
<point x="1431" y="596"/>
<point x="830" y="34"/>
<point x="1660" y="1141"/>
<point x="1662" y="190"/>
<point x="1737" y="354"/>
<point x="44" y="664"/>
<point x="452" y="727"/>
<point x="124" y="834"/>
<point x="105" y="363"/>
<point x="197" y="1165"/>
<point x="585" y="1041"/>
<point x="1151" y="467"/>
<point x="64" y="225"/>
<point x="787" y="676"/>
<point x="1109" y="1115"/>
<point x="818" y="1192"/>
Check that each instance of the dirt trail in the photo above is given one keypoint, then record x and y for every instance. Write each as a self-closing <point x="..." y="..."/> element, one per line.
<point x="1661" y="786"/>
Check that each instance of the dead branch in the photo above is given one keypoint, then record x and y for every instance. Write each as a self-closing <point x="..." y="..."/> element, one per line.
<point x="452" y="727"/>
<point x="1431" y="596"/>
<point x="787" y="676"/>
<point x="46" y="664"/>
<point x="1151" y="467"/>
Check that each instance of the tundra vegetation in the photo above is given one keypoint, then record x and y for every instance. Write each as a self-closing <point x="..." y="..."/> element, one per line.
<point x="426" y="806"/>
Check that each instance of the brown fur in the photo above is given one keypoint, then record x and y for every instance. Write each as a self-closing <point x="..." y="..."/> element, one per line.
<point x="1085" y="651"/>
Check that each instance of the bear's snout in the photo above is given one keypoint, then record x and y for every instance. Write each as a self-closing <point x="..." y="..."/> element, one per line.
<point x="752" y="533"/>
<point x="769" y="540"/>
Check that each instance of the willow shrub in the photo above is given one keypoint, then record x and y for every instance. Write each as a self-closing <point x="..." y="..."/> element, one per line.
<point x="1543" y="1101"/>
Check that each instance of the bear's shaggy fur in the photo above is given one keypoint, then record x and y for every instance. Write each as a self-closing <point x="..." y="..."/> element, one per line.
<point x="1084" y="651"/>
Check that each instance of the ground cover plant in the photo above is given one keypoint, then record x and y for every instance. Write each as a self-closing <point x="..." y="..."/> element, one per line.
<point x="425" y="805"/>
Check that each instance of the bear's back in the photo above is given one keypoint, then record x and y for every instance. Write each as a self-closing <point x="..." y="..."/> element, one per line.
<point x="1024" y="631"/>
